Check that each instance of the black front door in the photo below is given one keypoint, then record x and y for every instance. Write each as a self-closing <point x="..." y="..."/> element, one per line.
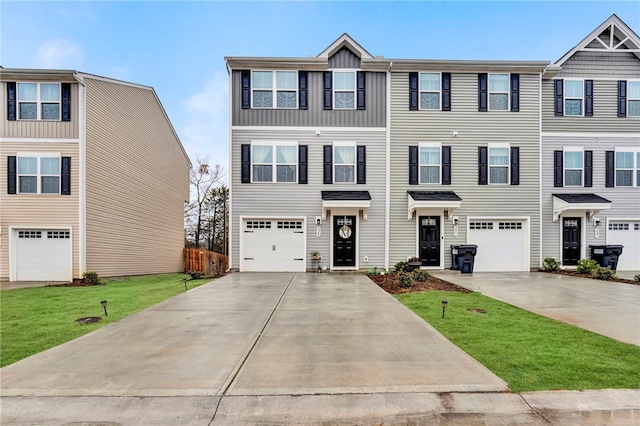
<point x="344" y="241"/>
<point x="429" y="240"/>
<point x="570" y="240"/>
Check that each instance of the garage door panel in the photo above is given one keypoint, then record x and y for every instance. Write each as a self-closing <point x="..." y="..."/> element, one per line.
<point x="273" y="246"/>
<point x="626" y="233"/>
<point x="501" y="245"/>
<point x="43" y="255"/>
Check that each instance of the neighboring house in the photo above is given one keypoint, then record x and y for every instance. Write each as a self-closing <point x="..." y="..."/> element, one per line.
<point x="591" y="147"/>
<point x="93" y="178"/>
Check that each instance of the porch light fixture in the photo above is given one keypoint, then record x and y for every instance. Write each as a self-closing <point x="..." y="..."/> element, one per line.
<point x="104" y="306"/>
<point x="444" y="306"/>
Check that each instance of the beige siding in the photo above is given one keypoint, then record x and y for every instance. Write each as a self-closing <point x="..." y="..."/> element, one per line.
<point x="41" y="129"/>
<point x="38" y="210"/>
<point x="137" y="181"/>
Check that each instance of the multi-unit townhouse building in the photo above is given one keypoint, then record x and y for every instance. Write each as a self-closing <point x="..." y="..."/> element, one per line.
<point x="93" y="178"/>
<point x="369" y="161"/>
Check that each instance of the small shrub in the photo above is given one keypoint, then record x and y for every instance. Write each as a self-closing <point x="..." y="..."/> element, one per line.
<point x="586" y="266"/>
<point x="413" y="259"/>
<point x="420" y="275"/>
<point x="91" y="278"/>
<point x="401" y="266"/>
<point x="372" y="271"/>
<point x="636" y="277"/>
<point x="195" y="275"/>
<point x="405" y="279"/>
<point x="551" y="264"/>
<point x="604" y="273"/>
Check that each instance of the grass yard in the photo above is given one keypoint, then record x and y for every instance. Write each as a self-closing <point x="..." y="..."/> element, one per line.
<point x="35" y="319"/>
<point x="528" y="351"/>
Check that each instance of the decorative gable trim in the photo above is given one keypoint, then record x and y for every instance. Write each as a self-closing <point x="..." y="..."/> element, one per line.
<point x="345" y="40"/>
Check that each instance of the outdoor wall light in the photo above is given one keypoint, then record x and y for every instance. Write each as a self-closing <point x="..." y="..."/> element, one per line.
<point x="596" y="222"/>
<point x="456" y="220"/>
<point x="104" y="306"/>
<point x="444" y="306"/>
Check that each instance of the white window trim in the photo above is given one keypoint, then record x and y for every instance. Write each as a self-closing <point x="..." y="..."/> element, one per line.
<point x="355" y="87"/>
<point x="355" y="162"/>
<point x="439" y="91"/>
<point x="489" y="166"/>
<point x="634" y="170"/>
<point x="430" y="145"/>
<point x="38" y="101"/>
<point x="489" y="91"/>
<point x="565" y="168"/>
<point x="274" y="163"/>
<point x="629" y="98"/>
<point x="38" y="175"/>
<point x="565" y="98"/>
<point x="274" y="89"/>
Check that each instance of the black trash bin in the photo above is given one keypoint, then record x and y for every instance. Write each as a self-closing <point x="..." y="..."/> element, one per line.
<point x="597" y="253"/>
<point x="607" y="255"/>
<point x="454" y="258"/>
<point x="466" y="256"/>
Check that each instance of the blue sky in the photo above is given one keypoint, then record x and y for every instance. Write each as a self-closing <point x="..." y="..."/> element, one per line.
<point x="179" y="47"/>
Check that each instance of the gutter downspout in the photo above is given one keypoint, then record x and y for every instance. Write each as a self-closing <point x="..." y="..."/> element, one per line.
<point x="82" y="175"/>
<point x="540" y="169"/>
<point x="387" y="206"/>
<point x="230" y="221"/>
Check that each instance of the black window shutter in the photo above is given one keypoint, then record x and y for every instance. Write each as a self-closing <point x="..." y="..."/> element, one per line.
<point x="65" y="176"/>
<point x="302" y="164"/>
<point x="588" y="169"/>
<point x="362" y="79"/>
<point x="558" y="168"/>
<point x="446" y="91"/>
<point x="413" y="91"/>
<point x="66" y="101"/>
<point x="328" y="164"/>
<point x="11" y="101"/>
<point x="328" y="93"/>
<point x="558" y="96"/>
<point x="622" y="98"/>
<point x="515" y="165"/>
<point x="446" y="165"/>
<point x="246" y="163"/>
<point x="483" y="178"/>
<point x="12" y="179"/>
<point x="246" y="89"/>
<point x="362" y="164"/>
<point x="302" y="90"/>
<point x="588" y="98"/>
<point x="609" y="167"/>
<point x="515" y="92"/>
<point x="413" y="165"/>
<point x="482" y="92"/>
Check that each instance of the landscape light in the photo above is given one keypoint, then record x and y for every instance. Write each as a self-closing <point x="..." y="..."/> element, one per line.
<point x="444" y="306"/>
<point x="104" y="305"/>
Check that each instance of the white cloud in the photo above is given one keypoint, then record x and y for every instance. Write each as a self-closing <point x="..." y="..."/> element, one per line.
<point x="60" y="54"/>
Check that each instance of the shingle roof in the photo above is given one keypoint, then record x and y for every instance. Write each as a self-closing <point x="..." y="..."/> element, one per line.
<point x="346" y="195"/>
<point x="581" y="198"/>
<point x="434" y="196"/>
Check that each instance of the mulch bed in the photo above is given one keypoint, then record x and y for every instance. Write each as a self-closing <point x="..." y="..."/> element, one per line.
<point x="390" y="284"/>
<point x="574" y="273"/>
<point x="74" y="284"/>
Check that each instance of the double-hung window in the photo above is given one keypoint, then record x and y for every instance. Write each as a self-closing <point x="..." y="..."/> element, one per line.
<point x="573" y="97"/>
<point x="627" y="168"/>
<point x="275" y="89"/>
<point x="274" y="163"/>
<point x="573" y="167"/>
<point x="344" y="163"/>
<point x="633" y="98"/>
<point x="344" y="92"/>
<point x="38" y="101"/>
<point x="430" y="157"/>
<point x="38" y="175"/>
<point x="498" y="164"/>
<point x="430" y="90"/>
<point x="498" y="92"/>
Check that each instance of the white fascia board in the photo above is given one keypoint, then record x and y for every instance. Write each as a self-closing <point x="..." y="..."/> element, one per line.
<point x="560" y="207"/>
<point x="346" y="204"/>
<point x="413" y="205"/>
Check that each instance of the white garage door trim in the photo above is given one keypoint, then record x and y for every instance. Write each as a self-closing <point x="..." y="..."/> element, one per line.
<point x="509" y="224"/>
<point x="13" y="251"/>
<point x="294" y="266"/>
<point x="629" y="238"/>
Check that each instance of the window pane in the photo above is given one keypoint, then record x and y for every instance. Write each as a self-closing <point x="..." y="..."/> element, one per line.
<point x="623" y="177"/>
<point x="27" y="165"/>
<point x="572" y="107"/>
<point x="262" y="99"/>
<point x="345" y="154"/>
<point x="429" y="156"/>
<point x="344" y="80"/>
<point x="50" y="111"/>
<point x="573" y="160"/>
<point x="49" y="166"/>
<point x="49" y="92"/>
<point x="498" y="101"/>
<point x="430" y="82"/>
<point x="345" y="100"/>
<point x="429" y="100"/>
<point x="624" y="160"/>
<point x="429" y="174"/>
<point x="286" y="173"/>
<point x="498" y="175"/>
<point x="633" y="89"/>
<point x="286" y="99"/>
<point x="498" y="156"/>
<point x="498" y="82"/>
<point x="286" y="154"/>
<point x="50" y="184"/>
<point x="262" y="153"/>
<point x="344" y="173"/>
<point x="634" y="108"/>
<point x="27" y="92"/>
<point x="262" y="173"/>
<point x="287" y="80"/>
<point x="573" y="89"/>
<point x="28" y="111"/>
<point x="262" y="80"/>
<point x="29" y="184"/>
<point x="573" y="177"/>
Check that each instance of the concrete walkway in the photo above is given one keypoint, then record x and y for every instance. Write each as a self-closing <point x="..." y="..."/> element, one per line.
<point x="280" y="348"/>
<point x="608" y="308"/>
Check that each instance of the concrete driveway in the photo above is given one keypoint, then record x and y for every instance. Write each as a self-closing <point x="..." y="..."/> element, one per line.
<point x="608" y="308"/>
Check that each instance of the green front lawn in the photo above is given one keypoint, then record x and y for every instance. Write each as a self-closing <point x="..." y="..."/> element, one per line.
<point x="528" y="351"/>
<point x="35" y="319"/>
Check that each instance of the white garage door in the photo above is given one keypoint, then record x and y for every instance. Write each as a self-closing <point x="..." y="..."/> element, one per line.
<point x="626" y="233"/>
<point x="43" y="255"/>
<point x="275" y="245"/>
<point x="502" y="245"/>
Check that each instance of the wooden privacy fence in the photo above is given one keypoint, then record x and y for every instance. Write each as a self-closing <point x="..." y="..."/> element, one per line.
<point x="206" y="262"/>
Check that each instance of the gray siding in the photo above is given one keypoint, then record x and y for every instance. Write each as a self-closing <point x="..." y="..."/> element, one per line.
<point x="344" y="58"/>
<point x="315" y="115"/>
<point x="474" y="129"/>
<point x="601" y="64"/>
<point x="283" y="200"/>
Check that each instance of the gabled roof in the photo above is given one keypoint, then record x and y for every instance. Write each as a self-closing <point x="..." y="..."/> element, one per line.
<point x="345" y="40"/>
<point x="612" y="35"/>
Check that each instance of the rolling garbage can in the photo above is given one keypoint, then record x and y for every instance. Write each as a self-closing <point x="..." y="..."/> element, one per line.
<point x="454" y="258"/>
<point x="607" y="255"/>
<point x="466" y="256"/>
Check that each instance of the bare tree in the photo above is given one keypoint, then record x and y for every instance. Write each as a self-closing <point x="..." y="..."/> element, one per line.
<point x="203" y="179"/>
